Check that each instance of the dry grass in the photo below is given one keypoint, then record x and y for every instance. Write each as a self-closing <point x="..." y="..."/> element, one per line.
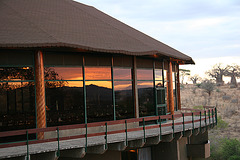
<point x="225" y="98"/>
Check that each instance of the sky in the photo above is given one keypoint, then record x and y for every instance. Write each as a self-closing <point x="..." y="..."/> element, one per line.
<point x="206" y="30"/>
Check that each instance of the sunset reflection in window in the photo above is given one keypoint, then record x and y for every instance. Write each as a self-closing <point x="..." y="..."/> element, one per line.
<point x="98" y="73"/>
<point x="63" y="73"/>
<point x="122" y="73"/>
<point x="144" y="74"/>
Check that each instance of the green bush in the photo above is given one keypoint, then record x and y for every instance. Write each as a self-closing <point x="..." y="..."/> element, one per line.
<point x="226" y="149"/>
<point x="221" y="123"/>
<point x="198" y="107"/>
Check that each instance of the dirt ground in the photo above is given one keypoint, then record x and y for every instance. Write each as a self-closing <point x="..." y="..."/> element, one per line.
<point x="227" y="100"/>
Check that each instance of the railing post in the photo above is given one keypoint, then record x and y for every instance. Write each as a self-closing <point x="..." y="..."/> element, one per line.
<point x="183" y="124"/>
<point x="86" y="138"/>
<point x="58" y="151"/>
<point x="192" y="122"/>
<point x="106" y="145"/>
<point x="144" y="131"/>
<point x="205" y="118"/>
<point x="126" y="132"/>
<point x="209" y="116"/>
<point x="27" y="145"/>
<point x="212" y="118"/>
<point x="200" y="121"/>
<point x="216" y="115"/>
<point x="173" y="125"/>
<point x="160" y="127"/>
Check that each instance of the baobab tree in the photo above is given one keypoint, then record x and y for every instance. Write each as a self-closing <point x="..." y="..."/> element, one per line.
<point x="217" y="72"/>
<point x="233" y="72"/>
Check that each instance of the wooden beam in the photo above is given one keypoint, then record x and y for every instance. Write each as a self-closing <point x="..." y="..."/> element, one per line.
<point x="178" y="89"/>
<point x="170" y="89"/>
<point x="40" y="92"/>
<point x="135" y="89"/>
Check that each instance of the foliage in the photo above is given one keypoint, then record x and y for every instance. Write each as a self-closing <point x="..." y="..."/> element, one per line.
<point x="198" y="107"/>
<point x="183" y="73"/>
<point x="226" y="149"/>
<point x="198" y="85"/>
<point x="217" y="72"/>
<point x="221" y="123"/>
<point x="208" y="86"/>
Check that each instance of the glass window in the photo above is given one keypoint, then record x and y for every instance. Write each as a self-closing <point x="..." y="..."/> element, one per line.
<point x="158" y="75"/>
<point x="16" y="73"/>
<point x="63" y="73"/>
<point x="16" y="58"/>
<point x="122" y="73"/>
<point x="99" y="101"/>
<point x="122" y="61"/>
<point x="123" y="99"/>
<point x="60" y="59"/>
<point x="98" y="73"/>
<point x="17" y="101"/>
<point x="64" y="102"/>
<point x="146" y="98"/>
<point x="144" y="74"/>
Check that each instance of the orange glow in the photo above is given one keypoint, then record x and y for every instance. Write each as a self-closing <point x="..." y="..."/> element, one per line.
<point x="144" y="74"/>
<point x="74" y="84"/>
<point x="106" y="84"/>
<point x="68" y="73"/>
<point x="145" y="84"/>
<point x="133" y="151"/>
<point x="97" y="73"/>
<point x="122" y="85"/>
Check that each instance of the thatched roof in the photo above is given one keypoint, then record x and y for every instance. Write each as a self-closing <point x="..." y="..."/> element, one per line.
<point x="65" y="23"/>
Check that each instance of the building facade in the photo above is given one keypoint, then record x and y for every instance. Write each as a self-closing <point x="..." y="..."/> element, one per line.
<point x="64" y="63"/>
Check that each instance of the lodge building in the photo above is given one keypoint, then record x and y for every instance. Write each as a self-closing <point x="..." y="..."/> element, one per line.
<point x="64" y="63"/>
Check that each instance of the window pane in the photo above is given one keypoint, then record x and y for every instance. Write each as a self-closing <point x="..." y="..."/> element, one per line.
<point x="17" y="106"/>
<point x="16" y="73"/>
<point x="161" y="96"/>
<point x="64" y="104"/>
<point x="122" y="73"/>
<point x="123" y="99"/>
<point x="144" y="63"/>
<point x="98" y="60"/>
<point x="63" y="73"/>
<point x="146" y="98"/>
<point x="158" y="75"/>
<point x="99" y="101"/>
<point x="17" y="58"/>
<point x="62" y="59"/>
<point x="144" y="74"/>
<point x="98" y="73"/>
<point x="122" y="61"/>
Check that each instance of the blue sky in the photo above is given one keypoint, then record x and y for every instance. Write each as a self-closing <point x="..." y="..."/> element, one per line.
<point x="202" y="29"/>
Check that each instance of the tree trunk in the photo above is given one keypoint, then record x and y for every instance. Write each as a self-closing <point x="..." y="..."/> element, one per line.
<point x="233" y="80"/>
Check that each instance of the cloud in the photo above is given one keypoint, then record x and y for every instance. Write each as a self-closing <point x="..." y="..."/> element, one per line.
<point x="199" y="28"/>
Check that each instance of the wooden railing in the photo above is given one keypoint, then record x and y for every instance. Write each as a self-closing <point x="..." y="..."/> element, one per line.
<point x="208" y="116"/>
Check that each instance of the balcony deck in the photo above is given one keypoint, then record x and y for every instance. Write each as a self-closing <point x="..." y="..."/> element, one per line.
<point x="144" y="135"/>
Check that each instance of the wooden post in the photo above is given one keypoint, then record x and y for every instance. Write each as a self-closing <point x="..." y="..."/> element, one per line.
<point x="40" y="93"/>
<point x="168" y="109"/>
<point x="178" y="89"/>
<point x="170" y="89"/>
<point x="135" y="89"/>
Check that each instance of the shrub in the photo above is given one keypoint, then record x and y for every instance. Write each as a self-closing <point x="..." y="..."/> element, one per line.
<point x="221" y="123"/>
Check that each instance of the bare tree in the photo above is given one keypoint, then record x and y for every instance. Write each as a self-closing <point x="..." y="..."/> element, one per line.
<point x="217" y="72"/>
<point x="195" y="78"/>
<point x="233" y="72"/>
<point x="183" y="73"/>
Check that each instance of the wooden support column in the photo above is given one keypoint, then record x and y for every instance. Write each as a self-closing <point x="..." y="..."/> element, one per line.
<point x="135" y="89"/>
<point x="178" y="89"/>
<point x="170" y="89"/>
<point x="168" y="109"/>
<point x="40" y="92"/>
